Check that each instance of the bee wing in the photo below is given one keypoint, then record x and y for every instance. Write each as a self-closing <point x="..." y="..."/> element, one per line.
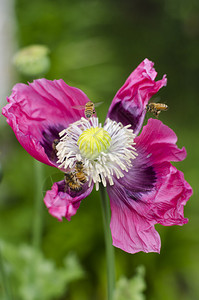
<point x="78" y="107"/>
<point x="98" y="103"/>
<point x="155" y="99"/>
<point x="50" y="179"/>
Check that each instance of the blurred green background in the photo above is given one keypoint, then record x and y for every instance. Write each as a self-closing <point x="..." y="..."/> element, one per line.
<point x="95" y="45"/>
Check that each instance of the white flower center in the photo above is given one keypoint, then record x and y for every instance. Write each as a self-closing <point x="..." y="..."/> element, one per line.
<point x="104" y="152"/>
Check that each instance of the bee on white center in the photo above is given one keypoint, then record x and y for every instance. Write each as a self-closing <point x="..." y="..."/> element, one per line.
<point x="74" y="180"/>
<point x="79" y="172"/>
<point x="71" y="182"/>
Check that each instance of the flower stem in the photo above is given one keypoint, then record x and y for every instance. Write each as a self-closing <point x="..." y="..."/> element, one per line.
<point x="37" y="224"/>
<point x="108" y="241"/>
<point x="4" y="278"/>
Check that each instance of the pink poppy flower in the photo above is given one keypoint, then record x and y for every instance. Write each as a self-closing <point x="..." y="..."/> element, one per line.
<point x="143" y="186"/>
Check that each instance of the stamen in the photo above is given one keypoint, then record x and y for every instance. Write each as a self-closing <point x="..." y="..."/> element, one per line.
<point x="105" y="152"/>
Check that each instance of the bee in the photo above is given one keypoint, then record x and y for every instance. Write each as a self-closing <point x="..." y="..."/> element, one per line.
<point x="54" y="144"/>
<point x="89" y="108"/>
<point x="54" y="151"/>
<point x="156" y="108"/>
<point x="79" y="172"/>
<point x="72" y="182"/>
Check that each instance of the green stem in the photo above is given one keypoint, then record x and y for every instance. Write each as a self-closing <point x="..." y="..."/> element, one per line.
<point x="37" y="223"/>
<point x="108" y="241"/>
<point x="4" y="277"/>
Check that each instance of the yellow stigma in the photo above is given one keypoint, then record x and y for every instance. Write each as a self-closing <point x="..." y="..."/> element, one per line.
<point x="93" y="141"/>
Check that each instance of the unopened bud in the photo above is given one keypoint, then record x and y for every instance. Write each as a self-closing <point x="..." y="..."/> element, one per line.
<point x="32" y="61"/>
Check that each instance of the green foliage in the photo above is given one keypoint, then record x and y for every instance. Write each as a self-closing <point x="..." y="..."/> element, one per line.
<point x="33" y="277"/>
<point x="133" y="288"/>
<point x="1" y="172"/>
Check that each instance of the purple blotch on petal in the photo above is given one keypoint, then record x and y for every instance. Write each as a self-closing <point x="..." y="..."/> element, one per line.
<point x="38" y="106"/>
<point x="139" y="180"/>
<point x="129" y="104"/>
<point x="63" y="202"/>
<point x="49" y="135"/>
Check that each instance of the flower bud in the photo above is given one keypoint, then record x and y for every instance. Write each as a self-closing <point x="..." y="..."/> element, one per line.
<point x="32" y="61"/>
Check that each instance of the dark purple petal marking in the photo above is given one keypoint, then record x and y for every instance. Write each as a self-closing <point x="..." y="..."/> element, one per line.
<point x="131" y="230"/>
<point x="35" y="107"/>
<point x="62" y="203"/>
<point x="139" y="180"/>
<point x="49" y="135"/>
<point x="63" y="187"/>
<point x="127" y="115"/>
<point x="129" y="104"/>
<point x="152" y="191"/>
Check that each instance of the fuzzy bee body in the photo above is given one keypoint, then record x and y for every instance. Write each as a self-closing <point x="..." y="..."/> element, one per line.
<point x="89" y="109"/>
<point x="79" y="172"/>
<point x="156" y="108"/>
<point x="53" y="154"/>
<point x="72" y="182"/>
<point x="54" y="144"/>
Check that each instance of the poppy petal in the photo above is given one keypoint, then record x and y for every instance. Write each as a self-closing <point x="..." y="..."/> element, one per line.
<point x="37" y="109"/>
<point x="159" y="141"/>
<point x="61" y="203"/>
<point x="152" y="191"/>
<point x="131" y="231"/>
<point x="129" y="104"/>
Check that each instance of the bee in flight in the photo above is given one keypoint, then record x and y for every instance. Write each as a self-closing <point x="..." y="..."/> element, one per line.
<point x="156" y="108"/>
<point x="76" y="179"/>
<point x="89" y="108"/>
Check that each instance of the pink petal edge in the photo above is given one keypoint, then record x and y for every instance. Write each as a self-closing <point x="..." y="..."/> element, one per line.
<point x="38" y="106"/>
<point x="133" y="220"/>
<point x="128" y="105"/>
<point x="61" y="204"/>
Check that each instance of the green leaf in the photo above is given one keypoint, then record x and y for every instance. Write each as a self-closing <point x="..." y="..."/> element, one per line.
<point x="33" y="277"/>
<point x="131" y="289"/>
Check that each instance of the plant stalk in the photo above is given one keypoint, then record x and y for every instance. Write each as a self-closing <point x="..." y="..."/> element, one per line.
<point x="37" y="223"/>
<point x="110" y="257"/>
<point x="4" y="278"/>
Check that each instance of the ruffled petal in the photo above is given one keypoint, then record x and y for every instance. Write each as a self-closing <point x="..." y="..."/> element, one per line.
<point x="131" y="231"/>
<point x="128" y="105"/>
<point x="156" y="147"/>
<point x="41" y="108"/>
<point x="61" y="203"/>
<point x="166" y="203"/>
<point x="153" y="191"/>
<point x="159" y="141"/>
<point x="134" y="212"/>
